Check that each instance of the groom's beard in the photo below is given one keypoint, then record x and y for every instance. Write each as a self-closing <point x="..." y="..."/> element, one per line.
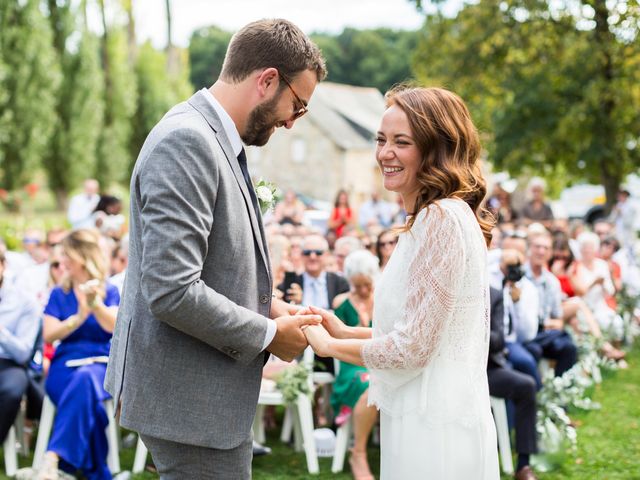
<point x="261" y="124"/>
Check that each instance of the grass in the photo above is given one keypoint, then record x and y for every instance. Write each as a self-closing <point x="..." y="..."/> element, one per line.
<point x="608" y="441"/>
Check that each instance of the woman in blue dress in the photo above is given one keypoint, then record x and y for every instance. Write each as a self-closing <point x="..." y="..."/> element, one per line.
<point x="81" y="314"/>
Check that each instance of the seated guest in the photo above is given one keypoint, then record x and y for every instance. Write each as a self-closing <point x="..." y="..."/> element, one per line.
<point x="593" y="283"/>
<point x="349" y="396"/>
<point x="82" y="315"/>
<point x="290" y="210"/>
<point x="520" y="388"/>
<point x="316" y="286"/>
<point x="375" y="212"/>
<point x="551" y="341"/>
<point x="536" y="210"/>
<point x="108" y="217"/>
<point x="520" y="308"/>
<point x="341" y="216"/>
<point x="575" y="311"/>
<point x="343" y="247"/>
<point x="608" y="248"/>
<point x="385" y="245"/>
<point x="19" y="328"/>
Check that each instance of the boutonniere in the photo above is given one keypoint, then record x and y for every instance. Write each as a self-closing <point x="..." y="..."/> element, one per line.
<point x="268" y="195"/>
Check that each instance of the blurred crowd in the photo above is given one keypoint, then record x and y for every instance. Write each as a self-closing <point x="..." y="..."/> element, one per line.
<point x="553" y="282"/>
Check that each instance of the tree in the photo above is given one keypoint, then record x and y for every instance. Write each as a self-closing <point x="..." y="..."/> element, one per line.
<point x="79" y="108"/>
<point x="206" y="54"/>
<point x="120" y="96"/>
<point x="158" y="91"/>
<point x="31" y="79"/>
<point x="376" y="58"/>
<point x="73" y="153"/>
<point x="555" y="85"/>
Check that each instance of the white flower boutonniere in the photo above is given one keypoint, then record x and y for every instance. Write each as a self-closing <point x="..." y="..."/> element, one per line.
<point x="268" y="195"/>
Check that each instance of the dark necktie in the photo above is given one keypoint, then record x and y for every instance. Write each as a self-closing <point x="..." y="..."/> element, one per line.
<point x="242" y="160"/>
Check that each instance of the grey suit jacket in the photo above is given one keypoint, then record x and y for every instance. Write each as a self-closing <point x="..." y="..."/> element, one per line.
<point x="186" y="357"/>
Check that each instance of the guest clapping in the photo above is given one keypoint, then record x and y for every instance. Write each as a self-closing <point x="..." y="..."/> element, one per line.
<point x="82" y="315"/>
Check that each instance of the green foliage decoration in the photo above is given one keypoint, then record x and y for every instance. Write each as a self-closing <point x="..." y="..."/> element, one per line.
<point x="292" y="382"/>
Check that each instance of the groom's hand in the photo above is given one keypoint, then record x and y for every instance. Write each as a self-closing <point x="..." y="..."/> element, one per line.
<point x="281" y="309"/>
<point x="289" y="341"/>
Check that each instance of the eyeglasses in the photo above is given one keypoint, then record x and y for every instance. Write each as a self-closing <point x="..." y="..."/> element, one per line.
<point x="307" y="253"/>
<point x="389" y="243"/>
<point x="303" y="107"/>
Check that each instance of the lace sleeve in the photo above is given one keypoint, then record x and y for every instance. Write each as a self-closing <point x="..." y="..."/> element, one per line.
<point x="436" y="267"/>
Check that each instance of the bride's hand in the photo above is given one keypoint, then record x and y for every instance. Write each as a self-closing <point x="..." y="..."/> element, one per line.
<point x="319" y="339"/>
<point x="335" y="326"/>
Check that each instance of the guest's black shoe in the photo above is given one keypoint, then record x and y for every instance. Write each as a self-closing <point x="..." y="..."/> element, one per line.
<point x="525" y="473"/>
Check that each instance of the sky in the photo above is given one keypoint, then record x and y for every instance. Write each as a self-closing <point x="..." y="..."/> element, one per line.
<point x="312" y="16"/>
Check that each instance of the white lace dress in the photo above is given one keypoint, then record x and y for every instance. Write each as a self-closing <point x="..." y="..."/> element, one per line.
<point x="428" y="355"/>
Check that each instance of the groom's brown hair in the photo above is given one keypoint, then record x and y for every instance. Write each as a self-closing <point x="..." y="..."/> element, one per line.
<point x="270" y="43"/>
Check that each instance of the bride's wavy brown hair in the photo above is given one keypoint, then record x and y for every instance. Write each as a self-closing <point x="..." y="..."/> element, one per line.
<point x="443" y="131"/>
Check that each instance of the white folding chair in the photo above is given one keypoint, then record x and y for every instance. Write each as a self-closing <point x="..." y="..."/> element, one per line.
<point x="140" y="459"/>
<point x="499" y="408"/>
<point x="46" y="424"/>
<point x="343" y="436"/>
<point x="10" y="453"/>
<point x="298" y="416"/>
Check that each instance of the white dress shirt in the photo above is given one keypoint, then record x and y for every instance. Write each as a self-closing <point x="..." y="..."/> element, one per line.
<point x="19" y="324"/>
<point x="80" y="210"/>
<point x="236" y="144"/>
<point x="523" y="314"/>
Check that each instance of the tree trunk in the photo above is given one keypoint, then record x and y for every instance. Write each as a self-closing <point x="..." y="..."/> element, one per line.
<point x="172" y="62"/>
<point x="61" y="199"/>
<point x="131" y="32"/>
<point x="610" y="168"/>
<point x="105" y="61"/>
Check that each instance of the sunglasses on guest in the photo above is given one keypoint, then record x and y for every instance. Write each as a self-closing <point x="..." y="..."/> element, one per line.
<point x="307" y="253"/>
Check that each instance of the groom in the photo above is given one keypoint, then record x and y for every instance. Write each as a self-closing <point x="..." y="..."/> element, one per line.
<point x="195" y="322"/>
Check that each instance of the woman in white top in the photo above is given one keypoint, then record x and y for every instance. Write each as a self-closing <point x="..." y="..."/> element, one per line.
<point x="427" y="356"/>
<point x="593" y="283"/>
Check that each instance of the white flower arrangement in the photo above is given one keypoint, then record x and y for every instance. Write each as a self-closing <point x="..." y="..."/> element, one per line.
<point x="558" y="437"/>
<point x="268" y="195"/>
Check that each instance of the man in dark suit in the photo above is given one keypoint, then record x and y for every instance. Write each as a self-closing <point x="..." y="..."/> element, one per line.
<point x="315" y="286"/>
<point x="520" y="388"/>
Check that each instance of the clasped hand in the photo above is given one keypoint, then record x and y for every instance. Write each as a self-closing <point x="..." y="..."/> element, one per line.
<point x="320" y="337"/>
<point x="298" y="327"/>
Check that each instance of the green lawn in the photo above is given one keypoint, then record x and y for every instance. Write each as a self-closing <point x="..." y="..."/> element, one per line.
<point x="608" y="440"/>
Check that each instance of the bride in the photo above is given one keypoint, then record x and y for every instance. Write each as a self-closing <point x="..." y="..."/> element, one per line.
<point x="427" y="351"/>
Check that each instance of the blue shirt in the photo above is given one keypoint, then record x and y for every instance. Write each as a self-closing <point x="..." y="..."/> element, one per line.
<point x="549" y="294"/>
<point x="20" y="323"/>
<point x="89" y="339"/>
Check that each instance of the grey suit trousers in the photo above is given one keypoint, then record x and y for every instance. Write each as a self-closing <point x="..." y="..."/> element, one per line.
<point x="178" y="461"/>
